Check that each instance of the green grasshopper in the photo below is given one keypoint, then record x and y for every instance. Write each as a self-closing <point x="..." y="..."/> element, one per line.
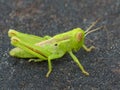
<point x="50" y="48"/>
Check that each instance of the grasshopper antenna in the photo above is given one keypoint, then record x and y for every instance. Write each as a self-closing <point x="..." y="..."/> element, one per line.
<point x="93" y="30"/>
<point x="92" y="25"/>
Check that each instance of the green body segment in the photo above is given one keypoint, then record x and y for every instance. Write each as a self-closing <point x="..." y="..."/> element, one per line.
<point x="72" y="40"/>
<point x="59" y="44"/>
<point x="48" y="48"/>
<point x="65" y="42"/>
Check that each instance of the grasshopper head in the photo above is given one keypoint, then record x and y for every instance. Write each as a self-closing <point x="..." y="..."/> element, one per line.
<point x="78" y="40"/>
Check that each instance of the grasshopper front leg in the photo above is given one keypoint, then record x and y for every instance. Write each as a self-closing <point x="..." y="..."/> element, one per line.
<point x="78" y="62"/>
<point x="88" y="49"/>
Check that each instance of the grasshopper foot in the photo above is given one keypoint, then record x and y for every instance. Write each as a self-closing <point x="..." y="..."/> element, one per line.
<point x="35" y="60"/>
<point x="88" y="49"/>
<point x="86" y="73"/>
<point x="48" y="73"/>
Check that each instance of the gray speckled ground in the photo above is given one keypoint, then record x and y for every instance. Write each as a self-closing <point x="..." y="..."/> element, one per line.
<point x="50" y="17"/>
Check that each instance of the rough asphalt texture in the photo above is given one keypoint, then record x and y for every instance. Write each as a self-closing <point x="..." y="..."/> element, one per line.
<point x="50" y="17"/>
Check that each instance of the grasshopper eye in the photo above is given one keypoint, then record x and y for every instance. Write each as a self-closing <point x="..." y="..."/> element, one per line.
<point x="55" y="44"/>
<point x="79" y="36"/>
